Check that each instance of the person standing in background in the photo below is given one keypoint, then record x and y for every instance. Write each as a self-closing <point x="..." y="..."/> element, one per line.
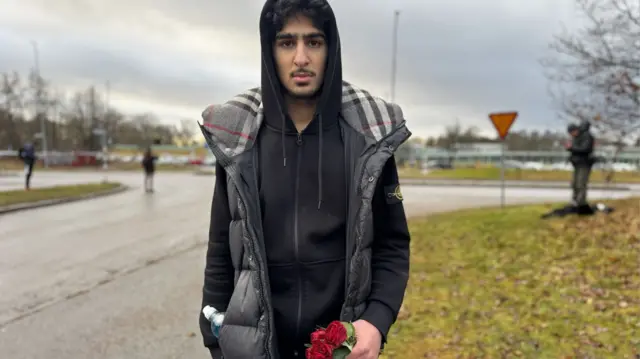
<point x="27" y="154"/>
<point x="149" y="165"/>
<point x="581" y="157"/>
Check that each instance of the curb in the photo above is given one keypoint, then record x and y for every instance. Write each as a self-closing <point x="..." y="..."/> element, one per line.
<point x="508" y="184"/>
<point x="52" y="202"/>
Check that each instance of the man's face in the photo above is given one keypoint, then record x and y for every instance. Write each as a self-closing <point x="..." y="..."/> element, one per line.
<point x="300" y="52"/>
<point x="575" y="133"/>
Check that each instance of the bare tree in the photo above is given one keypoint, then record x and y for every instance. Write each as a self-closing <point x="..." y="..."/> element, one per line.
<point x="113" y="121"/>
<point x="469" y="135"/>
<point x="41" y="101"/>
<point x="451" y="139"/>
<point x="81" y="115"/>
<point x="11" y="114"/>
<point x="70" y="122"/>
<point x="186" y="132"/>
<point x="595" y="71"/>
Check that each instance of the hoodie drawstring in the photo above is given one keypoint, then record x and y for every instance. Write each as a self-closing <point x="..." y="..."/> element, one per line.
<point x="320" y="148"/>
<point x="284" y="148"/>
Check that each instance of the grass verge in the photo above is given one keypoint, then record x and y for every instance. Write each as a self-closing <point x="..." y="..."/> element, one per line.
<point x="492" y="173"/>
<point x="504" y="284"/>
<point x="14" y="197"/>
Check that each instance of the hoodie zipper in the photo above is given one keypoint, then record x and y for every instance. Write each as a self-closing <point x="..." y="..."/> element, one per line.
<point x="296" y="234"/>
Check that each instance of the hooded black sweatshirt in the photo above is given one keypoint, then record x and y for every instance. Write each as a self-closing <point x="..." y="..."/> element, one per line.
<point x="303" y="188"/>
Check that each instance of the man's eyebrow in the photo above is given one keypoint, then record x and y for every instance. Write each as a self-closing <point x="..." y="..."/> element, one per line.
<point x="290" y="36"/>
<point x="314" y="35"/>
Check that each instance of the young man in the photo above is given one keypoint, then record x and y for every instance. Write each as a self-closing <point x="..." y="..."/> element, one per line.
<point x="582" y="159"/>
<point x="307" y="222"/>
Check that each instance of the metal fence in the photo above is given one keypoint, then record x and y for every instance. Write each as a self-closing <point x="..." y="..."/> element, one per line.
<point x="493" y="157"/>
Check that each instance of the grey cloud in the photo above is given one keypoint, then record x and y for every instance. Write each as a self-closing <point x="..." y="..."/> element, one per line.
<point x="177" y="79"/>
<point x="463" y="60"/>
<point x="474" y="60"/>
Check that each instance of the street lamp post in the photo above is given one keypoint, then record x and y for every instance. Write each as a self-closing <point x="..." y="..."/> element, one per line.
<point x="101" y="132"/>
<point x="394" y="65"/>
<point x="105" y="144"/>
<point x="43" y="127"/>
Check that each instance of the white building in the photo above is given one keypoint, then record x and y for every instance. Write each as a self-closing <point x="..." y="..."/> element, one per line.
<point x="490" y="153"/>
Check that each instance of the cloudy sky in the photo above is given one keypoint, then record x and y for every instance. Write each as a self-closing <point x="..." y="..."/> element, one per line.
<point x="456" y="58"/>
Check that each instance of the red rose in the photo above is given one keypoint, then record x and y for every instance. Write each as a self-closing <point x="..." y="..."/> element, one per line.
<point x="318" y="336"/>
<point x="335" y="334"/>
<point x="320" y="350"/>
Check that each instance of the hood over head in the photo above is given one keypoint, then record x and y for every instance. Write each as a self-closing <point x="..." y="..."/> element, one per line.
<point x="584" y="126"/>
<point x="581" y="127"/>
<point x="330" y="95"/>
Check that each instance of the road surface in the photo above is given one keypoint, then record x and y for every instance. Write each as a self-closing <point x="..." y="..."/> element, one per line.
<point x="120" y="276"/>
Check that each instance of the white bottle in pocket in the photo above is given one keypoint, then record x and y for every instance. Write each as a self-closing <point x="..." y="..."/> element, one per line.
<point x="215" y="317"/>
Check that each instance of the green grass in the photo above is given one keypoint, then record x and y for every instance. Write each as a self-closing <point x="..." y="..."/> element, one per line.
<point x="505" y="284"/>
<point x="40" y="194"/>
<point x="493" y="173"/>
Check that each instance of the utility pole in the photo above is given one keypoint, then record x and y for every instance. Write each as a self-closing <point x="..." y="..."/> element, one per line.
<point x="105" y="144"/>
<point x="55" y="117"/>
<point x="394" y="65"/>
<point x="101" y="131"/>
<point x="38" y="104"/>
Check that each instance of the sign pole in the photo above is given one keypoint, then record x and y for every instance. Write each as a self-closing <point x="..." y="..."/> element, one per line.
<point x="502" y="184"/>
<point x="502" y="122"/>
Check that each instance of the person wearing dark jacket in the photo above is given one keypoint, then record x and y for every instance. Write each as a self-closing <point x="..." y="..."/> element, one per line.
<point x="307" y="219"/>
<point x="149" y="166"/>
<point x="27" y="154"/>
<point x="581" y="157"/>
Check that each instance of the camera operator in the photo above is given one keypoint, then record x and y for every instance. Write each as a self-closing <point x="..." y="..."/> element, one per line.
<point x="581" y="157"/>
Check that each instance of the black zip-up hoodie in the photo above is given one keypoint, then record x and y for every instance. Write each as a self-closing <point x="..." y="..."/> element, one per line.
<point x="303" y="189"/>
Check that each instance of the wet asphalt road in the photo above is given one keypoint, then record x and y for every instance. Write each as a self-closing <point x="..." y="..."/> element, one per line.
<point x="121" y="276"/>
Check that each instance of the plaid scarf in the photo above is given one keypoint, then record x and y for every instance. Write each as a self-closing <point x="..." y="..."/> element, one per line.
<point x="234" y="126"/>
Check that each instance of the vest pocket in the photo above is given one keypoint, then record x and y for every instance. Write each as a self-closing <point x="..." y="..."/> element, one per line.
<point x="241" y="335"/>
<point x="242" y="342"/>
<point x="244" y="305"/>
